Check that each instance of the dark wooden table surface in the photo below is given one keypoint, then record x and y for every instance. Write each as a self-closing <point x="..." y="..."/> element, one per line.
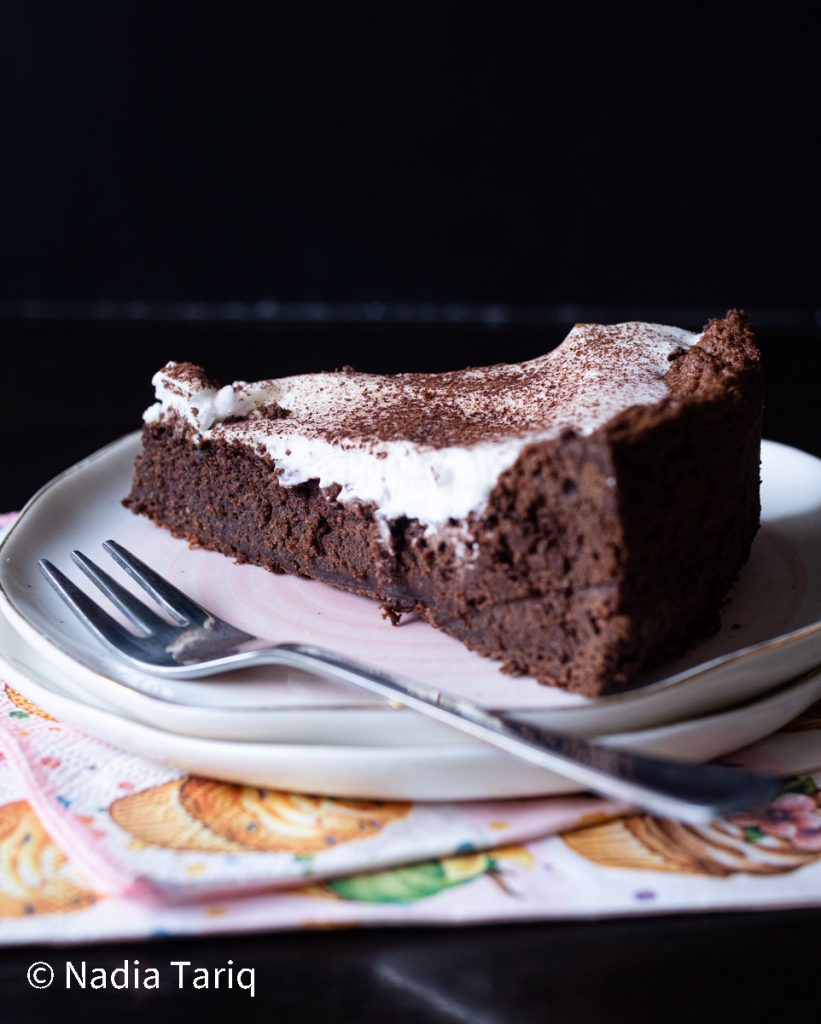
<point x="69" y="387"/>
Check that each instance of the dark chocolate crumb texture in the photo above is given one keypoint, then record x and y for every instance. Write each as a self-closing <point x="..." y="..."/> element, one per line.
<point x="576" y="517"/>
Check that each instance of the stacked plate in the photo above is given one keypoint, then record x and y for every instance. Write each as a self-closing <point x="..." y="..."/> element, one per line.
<point x="281" y="728"/>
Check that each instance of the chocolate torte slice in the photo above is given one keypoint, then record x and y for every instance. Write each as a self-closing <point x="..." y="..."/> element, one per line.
<point x="576" y="517"/>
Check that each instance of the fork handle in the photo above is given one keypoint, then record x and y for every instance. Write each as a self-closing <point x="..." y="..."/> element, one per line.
<point x="685" y="792"/>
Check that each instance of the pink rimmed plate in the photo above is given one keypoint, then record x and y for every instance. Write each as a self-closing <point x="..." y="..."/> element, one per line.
<point x="771" y="627"/>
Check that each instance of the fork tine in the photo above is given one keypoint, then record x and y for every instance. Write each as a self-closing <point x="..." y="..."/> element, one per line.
<point x="87" y="611"/>
<point x="177" y="604"/>
<point x="129" y="605"/>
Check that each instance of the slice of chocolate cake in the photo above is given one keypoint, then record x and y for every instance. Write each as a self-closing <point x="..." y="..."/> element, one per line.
<point x="576" y="516"/>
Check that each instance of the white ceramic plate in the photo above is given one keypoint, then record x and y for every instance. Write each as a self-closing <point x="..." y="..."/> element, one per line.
<point x="458" y="771"/>
<point x="771" y="630"/>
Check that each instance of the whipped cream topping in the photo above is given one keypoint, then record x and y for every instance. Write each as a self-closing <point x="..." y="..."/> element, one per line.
<point x="427" y="446"/>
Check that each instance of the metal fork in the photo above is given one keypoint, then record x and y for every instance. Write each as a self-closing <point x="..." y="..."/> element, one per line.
<point x="198" y="643"/>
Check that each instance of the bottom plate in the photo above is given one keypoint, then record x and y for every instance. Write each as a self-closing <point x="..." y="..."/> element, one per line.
<point x="461" y="771"/>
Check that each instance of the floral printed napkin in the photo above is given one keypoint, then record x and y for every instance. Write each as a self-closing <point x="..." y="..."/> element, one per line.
<point x="99" y="844"/>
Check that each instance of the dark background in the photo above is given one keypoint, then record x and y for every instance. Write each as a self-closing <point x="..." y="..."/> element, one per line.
<point x="270" y="189"/>
<point x="521" y="155"/>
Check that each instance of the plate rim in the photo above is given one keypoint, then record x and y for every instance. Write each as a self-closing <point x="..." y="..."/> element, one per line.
<point x="457" y="755"/>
